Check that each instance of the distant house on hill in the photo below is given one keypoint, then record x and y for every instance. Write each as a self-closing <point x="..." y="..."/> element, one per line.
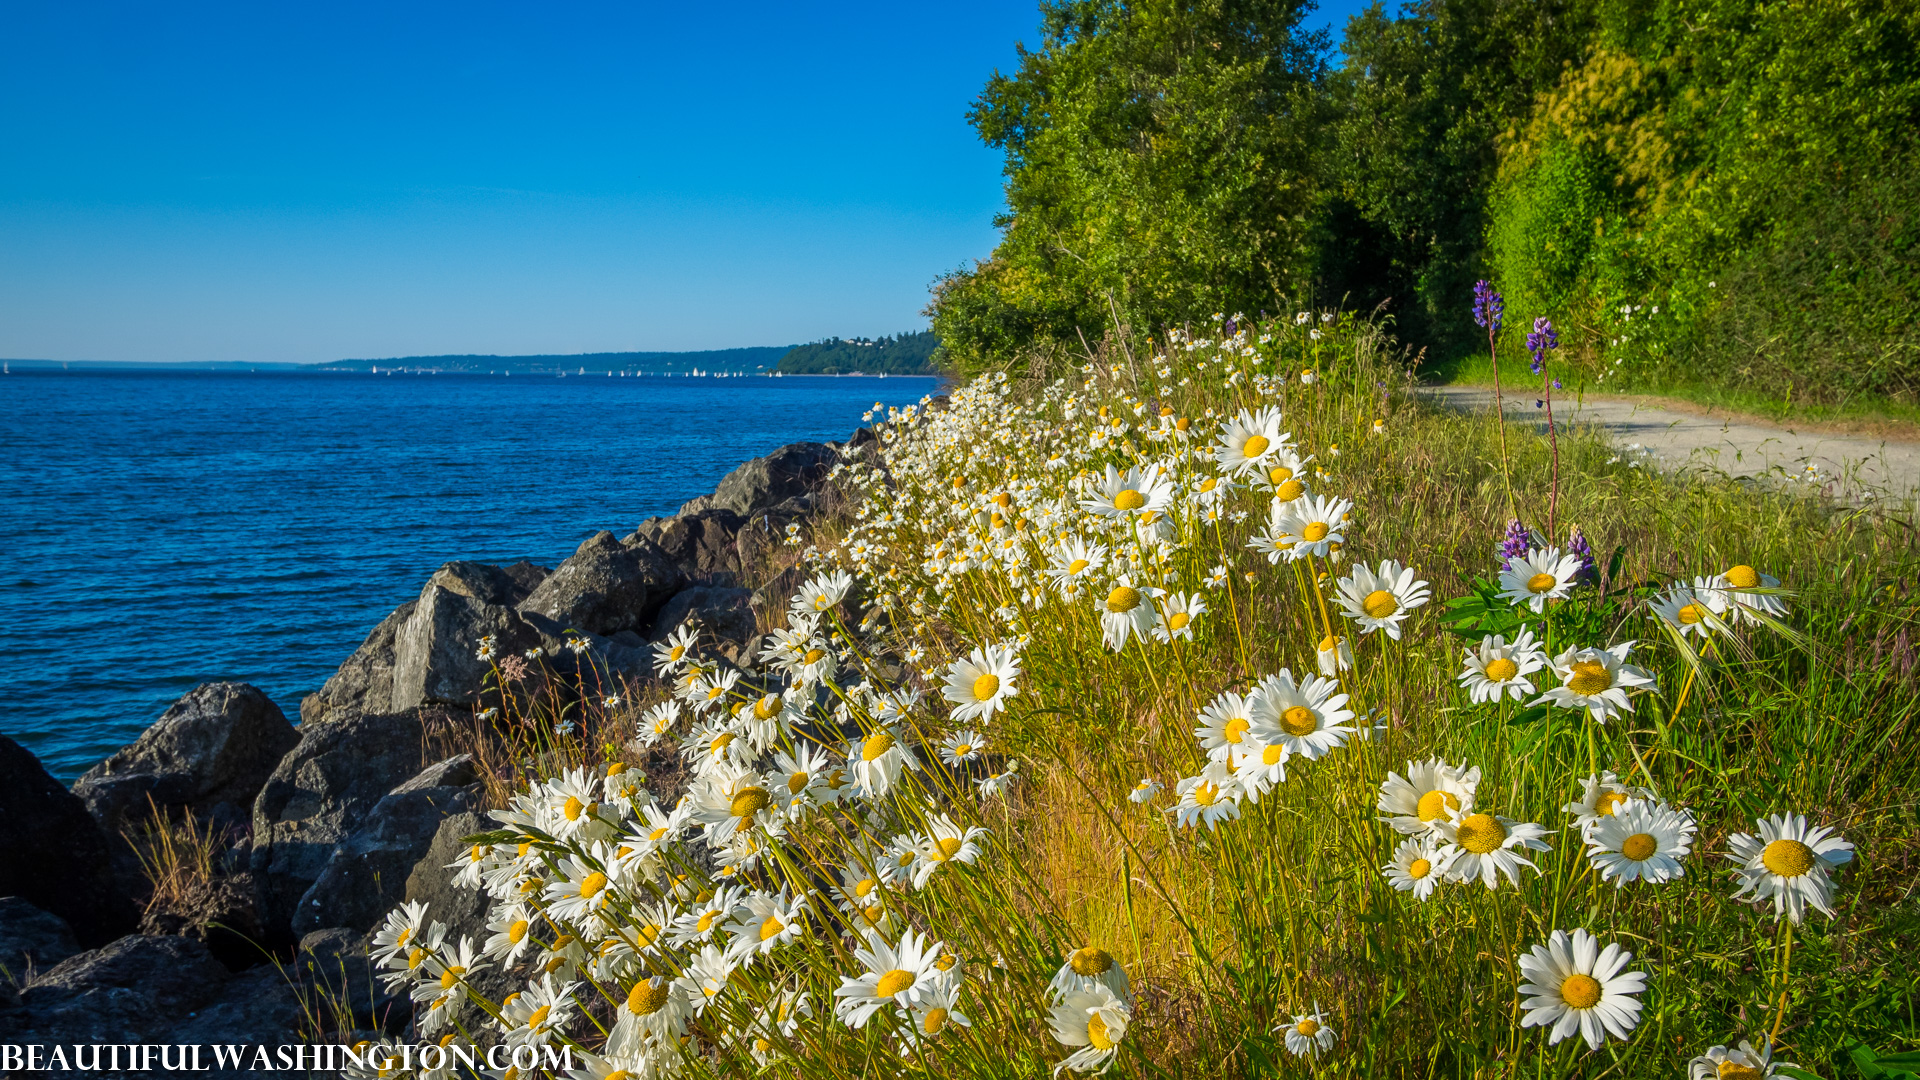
<point x="902" y="354"/>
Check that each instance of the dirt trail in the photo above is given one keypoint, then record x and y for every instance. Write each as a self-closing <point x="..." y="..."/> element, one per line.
<point x="1852" y="468"/>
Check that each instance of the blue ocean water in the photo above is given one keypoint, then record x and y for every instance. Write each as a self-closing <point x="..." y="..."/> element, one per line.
<point x="167" y="528"/>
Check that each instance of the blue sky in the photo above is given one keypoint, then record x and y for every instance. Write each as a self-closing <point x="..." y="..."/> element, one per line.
<point x="276" y="182"/>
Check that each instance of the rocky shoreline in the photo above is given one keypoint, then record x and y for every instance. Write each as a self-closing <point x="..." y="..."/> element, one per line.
<point x="325" y="826"/>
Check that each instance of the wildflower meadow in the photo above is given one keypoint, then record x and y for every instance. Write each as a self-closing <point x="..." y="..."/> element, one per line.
<point x="1210" y="708"/>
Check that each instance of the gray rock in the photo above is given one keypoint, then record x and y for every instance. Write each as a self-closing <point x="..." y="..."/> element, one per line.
<point x="365" y="682"/>
<point x="724" y="616"/>
<point x="436" y="649"/>
<point x="132" y="990"/>
<point x="223" y="912"/>
<point x="257" y="1008"/>
<point x="699" y="543"/>
<point x="53" y="854"/>
<point x="31" y="940"/>
<point x="464" y="910"/>
<point x="606" y="586"/>
<point x="366" y="874"/>
<point x="795" y="469"/>
<point x="318" y="796"/>
<point x="218" y="744"/>
<point x="334" y="966"/>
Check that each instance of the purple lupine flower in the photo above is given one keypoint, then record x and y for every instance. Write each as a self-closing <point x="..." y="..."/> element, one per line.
<point x="1578" y="547"/>
<point x="1230" y="328"/>
<point x="1515" y="543"/>
<point x="1540" y="341"/>
<point x="1488" y="306"/>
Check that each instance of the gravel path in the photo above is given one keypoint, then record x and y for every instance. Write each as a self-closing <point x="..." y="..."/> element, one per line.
<point x="1851" y="468"/>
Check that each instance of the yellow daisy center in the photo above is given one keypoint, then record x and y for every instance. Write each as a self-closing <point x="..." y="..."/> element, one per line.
<point x="771" y="928"/>
<point x="1691" y="614"/>
<point x="591" y="885"/>
<point x="1299" y="721"/>
<point x="864" y="886"/>
<point x="962" y="749"/>
<point x="1787" y="858"/>
<point x="1589" y="677"/>
<point x="675" y="653"/>
<point x="1580" y="991"/>
<point x="986" y="686"/>
<point x="1379" y="604"/>
<point x="1608" y="802"/>
<point x="1481" y="833"/>
<point x="647" y="998"/>
<point x="1097" y="1033"/>
<point x="934" y="1021"/>
<point x="478" y="852"/>
<point x="1540" y="583"/>
<point x="797" y="783"/>
<point x="1308" y="1027"/>
<point x="574" y="808"/>
<point x="1090" y="961"/>
<point x="706" y="921"/>
<point x="1076" y="566"/>
<point x="1419" y="868"/>
<point x="1123" y="598"/>
<point x="1500" y="669"/>
<point x="657" y="833"/>
<point x="1178" y="620"/>
<point x="414" y="958"/>
<point x="1129" y="499"/>
<point x="1182" y="424"/>
<point x="1639" y="847"/>
<point x="946" y="961"/>
<point x="749" y="801"/>
<point x="1433" y="806"/>
<point x="813" y="656"/>
<point x="647" y="935"/>
<point x="766" y="707"/>
<point x="1271" y="755"/>
<point x="1733" y="1070"/>
<point x="1315" y="532"/>
<point x="946" y="848"/>
<point x="1204" y="794"/>
<point x="893" y="982"/>
<point x="1289" y="490"/>
<point x="539" y="1016"/>
<point x="1254" y="446"/>
<point x="451" y="977"/>
<point x="720" y="742"/>
<point x="1235" y="729"/>
<point x="517" y="931"/>
<point x="878" y="743"/>
<point x="1742" y="577"/>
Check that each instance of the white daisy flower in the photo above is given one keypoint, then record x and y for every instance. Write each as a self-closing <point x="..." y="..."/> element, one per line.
<point x="1741" y="587"/>
<point x="1224" y="726"/>
<point x="705" y="977"/>
<point x="880" y="759"/>
<point x="1596" y="680"/>
<point x="1308" y="719"/>
<point x="822" y="592"/>
<point x="945" y="842"/>
<point x="1094" y="1021"/>
<point x="1418" y="866"/>
<point x="1073" y="562"/>
<point x="1496" y="669"/>
<point x="1601" y="797"/>
<point x="1691" y="611"/>
<point x="1309" y="525"/>
<point x="1130" y="492"/>
<point x="1249" y="441"/>
<point x="901" y="976"/>
<point x="1309" y="1033"/>
<point x="1145" y="790"/>
<point x="1644" y="840"/>
<point x="979" y="685"/>
<point x="1209" y="798"/>
<point x="1383" y="599"/>
<point x="1488" y="846"/>
<point x="762" y="922"/>
<point x="1431" y="792"/>
<point x="961" y="747"/>
<point x="1539" y="576"/>
<point x="672" y="653"/>
<point x="998" y="783"/>
<point x="1334" y="655"/>
<point x="1182" y="611"/>
<point x="1578" y="987"/>
<point x="1127" y="612"/>
<point x="1743" y="1063"/>
<point x="1087" y="968"/>
<point x="1789" y="862"/>
<point x="655" y="1010"/>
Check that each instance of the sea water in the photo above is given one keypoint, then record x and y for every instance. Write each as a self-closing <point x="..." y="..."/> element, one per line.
<point x="168" y="528"/>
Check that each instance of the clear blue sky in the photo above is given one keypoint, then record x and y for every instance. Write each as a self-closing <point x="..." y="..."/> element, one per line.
<point x="279" y="182"/>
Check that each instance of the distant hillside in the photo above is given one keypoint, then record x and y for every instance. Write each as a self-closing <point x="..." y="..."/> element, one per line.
<point x="750" y="360"/>
<point x="904" y="354"/>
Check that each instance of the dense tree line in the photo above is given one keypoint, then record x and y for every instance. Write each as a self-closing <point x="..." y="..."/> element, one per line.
<point x="902" y="354"/>
<point x="1745" y="167"/>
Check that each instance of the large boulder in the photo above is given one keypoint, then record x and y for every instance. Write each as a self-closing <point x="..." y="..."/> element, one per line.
<point x="223" y="911"/>
<point x="366" y="875"/>
<point x="145" y="989"/>
<point x="318" y="796"/>
<point x="723" y="615"/>
<point x="700" y="543"/>
<point x="436" y="650"/>
<point x="792" y="470"/>
<point x="31" y="940"/>
<point x="606" y="587"/>
<point x="216" y="745"/>
<point x="365" y="682"/>
<point x="333" y="965"/>
<point x="464" y="910"/>
<point x="53" y="854"/>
